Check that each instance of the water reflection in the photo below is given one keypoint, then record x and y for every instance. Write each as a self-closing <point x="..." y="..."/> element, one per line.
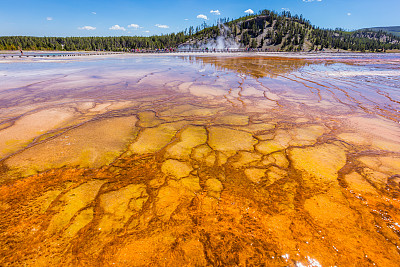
<point x="368" y="84"/>
<point x="257" y="67"/>
<point x="202" y="162"/>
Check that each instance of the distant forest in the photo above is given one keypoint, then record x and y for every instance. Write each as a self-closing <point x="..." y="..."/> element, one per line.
<point x="265" y="30"/>
<point x="122" y="43"/>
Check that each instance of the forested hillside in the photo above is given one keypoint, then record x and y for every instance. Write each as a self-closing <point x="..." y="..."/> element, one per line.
<point x="267" y="30"/>
<point x="395" y="30"/>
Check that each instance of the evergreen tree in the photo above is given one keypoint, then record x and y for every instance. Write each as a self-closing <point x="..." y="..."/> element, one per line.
<point x="292" y="32"/>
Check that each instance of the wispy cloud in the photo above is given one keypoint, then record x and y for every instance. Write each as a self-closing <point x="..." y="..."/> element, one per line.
<point x="349" y="14"/>
<point x="308" y="1"/>
<point x="162" y="26"/>
<point x="134" y="26"/>
<point x="49" y="18"/>
<point x="250" y="11"/>
<point x="146" y="31"/>
<point x="215" y="12"/>
<point x="186" y="19"/>
<point x="94" y="13"/>
<point x="201" y="16"/>
<point x="117" y="28"/>
<point x="88" y="28"/>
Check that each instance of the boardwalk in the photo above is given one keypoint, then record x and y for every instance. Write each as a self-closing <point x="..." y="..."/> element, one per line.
<point x="134" y="51"/>
<point x="41" y="55"/>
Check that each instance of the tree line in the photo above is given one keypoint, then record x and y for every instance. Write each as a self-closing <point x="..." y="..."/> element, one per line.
<point x="282" y="31"/>
<point x="122" y="43"/>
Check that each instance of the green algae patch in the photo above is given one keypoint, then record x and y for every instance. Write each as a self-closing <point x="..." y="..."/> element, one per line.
<point x="190" y="137"/>
<point x="151" y="140"/>
<point x="91" y="145"/>
<point x="71" y="202"/>
<point x="120" y="205"/>
<point x="148" y="119"/>
<point x="176" y="168"/>
<point x="322" y="162"/>
<point x="233" y="119"/>
<point x="229" y="140"/>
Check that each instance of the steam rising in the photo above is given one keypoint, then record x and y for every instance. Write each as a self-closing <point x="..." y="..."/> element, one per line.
<point x="222" y="42"/>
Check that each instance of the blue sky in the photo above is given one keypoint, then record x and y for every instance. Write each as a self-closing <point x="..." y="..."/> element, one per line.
<point x="145" y="18"/>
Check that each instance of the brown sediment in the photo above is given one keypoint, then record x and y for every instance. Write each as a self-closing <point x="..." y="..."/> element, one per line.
<point x="185" y="176"/>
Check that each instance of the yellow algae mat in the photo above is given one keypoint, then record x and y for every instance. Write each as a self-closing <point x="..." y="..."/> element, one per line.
<point x="277" y="163"/>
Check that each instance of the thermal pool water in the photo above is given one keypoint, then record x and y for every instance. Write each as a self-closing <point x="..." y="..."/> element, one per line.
<point x="158" y="160"/>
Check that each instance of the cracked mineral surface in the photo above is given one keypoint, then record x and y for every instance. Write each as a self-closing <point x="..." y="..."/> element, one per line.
<point x="231" y="160"/>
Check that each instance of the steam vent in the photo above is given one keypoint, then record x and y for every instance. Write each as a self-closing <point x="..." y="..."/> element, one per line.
<point x="200" y="160"/>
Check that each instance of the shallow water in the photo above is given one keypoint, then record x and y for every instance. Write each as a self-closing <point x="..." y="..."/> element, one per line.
<point x="200" y="160"/>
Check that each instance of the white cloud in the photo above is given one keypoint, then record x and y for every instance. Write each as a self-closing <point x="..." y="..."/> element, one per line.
<point x="285" y="9"/>
<point x="215" y="12"/>
<point x="117" y="28"/>
<point x="250" y="11"/>
<point x="88" y="28"/>
<point x="201" y="16"/>
<point x="308" y="1"/>
<point x="146" y="31"/>
<point x="162" y="26"/>
<point x="135" y="26"/>
<point x="94" y="13"/>
<point x="49" y="18"/>
<point x="186" y="19"/>
<point x="349" y="14"/>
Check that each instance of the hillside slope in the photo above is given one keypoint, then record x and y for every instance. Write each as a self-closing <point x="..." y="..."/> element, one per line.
<point x="395" y="30"/>
<point x="270" y="31"/>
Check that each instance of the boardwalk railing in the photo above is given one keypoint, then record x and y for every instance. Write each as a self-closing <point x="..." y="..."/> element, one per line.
<point x="200" y="50"/>
<point x="41" y="55"/>
<point x="135" y="51"/>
